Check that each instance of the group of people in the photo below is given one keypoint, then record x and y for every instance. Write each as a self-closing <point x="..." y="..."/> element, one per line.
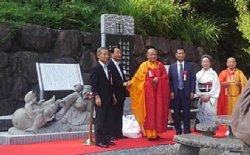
<point x="152" y="88"/>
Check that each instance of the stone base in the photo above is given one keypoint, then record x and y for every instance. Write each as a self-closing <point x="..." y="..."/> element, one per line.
<point x="27" y="139"/>
<point x="186" y="150"/>
<point x="5" y="123"/>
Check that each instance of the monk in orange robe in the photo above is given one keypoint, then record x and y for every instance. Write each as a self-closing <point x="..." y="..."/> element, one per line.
<point x="232" y="81"/>
<point x="150" y="96"/>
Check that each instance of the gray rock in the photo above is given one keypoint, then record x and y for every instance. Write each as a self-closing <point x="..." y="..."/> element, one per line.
<point x="36" y="38"/>
<point x="24" y="63"/>
<point x="4" y="57"/>
<point x="68" y="43"/>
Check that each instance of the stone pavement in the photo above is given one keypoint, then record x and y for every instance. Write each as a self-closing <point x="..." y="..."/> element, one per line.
<point x="157" y="150"/>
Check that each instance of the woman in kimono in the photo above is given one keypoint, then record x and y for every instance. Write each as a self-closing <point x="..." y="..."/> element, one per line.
<point x="207" y="90"/>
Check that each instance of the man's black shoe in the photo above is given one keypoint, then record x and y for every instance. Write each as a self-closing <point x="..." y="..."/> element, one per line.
<point x="110" y="142"/>
<point x="122" y="137"/>
<point x="113" y="138"/>
<point x="102" y="145"/>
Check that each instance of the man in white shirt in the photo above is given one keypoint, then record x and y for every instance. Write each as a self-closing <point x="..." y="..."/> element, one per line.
<point x="119" y="89"/>
<point x="182" y="84"/>
<point x="101" y="82"/>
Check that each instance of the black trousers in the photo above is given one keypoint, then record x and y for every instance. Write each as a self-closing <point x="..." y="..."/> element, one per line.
<point x="117" y="119"/>
<point x="182" y="102"/>
<point x="103" y="123"/>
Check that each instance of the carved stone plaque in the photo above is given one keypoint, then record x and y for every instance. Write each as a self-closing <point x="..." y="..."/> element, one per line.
<point x="56" y="77"/>
<point x="126" y="44"/>
<point x="117" y="24"/>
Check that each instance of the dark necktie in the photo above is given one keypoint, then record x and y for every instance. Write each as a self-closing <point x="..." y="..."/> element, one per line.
<point x="180" y="77"/>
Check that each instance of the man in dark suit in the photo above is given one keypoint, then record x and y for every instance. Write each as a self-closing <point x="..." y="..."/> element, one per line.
<point x="119" y="91"/>
<point x="101" y="82"/>
<point x="182" y="84"/>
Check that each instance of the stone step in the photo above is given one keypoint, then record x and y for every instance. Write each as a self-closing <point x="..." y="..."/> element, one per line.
<point x="36" y="138"/>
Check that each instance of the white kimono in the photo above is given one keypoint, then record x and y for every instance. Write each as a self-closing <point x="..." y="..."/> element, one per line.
<point x="207" y="83"/>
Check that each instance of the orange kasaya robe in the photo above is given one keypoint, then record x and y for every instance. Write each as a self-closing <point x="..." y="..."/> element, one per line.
<point x="150" y="101"/>
<point x="229" y="95"/>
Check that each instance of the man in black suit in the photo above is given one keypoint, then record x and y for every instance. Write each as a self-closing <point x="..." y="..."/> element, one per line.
<point x="119" y="91"/>
<point x="101" y="82"/>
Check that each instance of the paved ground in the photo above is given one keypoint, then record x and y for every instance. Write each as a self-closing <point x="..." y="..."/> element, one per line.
<point x="157" y="150"/>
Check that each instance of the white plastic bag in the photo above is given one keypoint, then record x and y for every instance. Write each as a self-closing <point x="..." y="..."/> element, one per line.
<point x="130" y="127"/>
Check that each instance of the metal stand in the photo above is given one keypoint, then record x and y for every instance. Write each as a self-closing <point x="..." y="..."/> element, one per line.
<point x="89" y="141"/>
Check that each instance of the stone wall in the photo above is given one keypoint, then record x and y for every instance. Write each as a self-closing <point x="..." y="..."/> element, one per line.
<point x="21" y="48"/>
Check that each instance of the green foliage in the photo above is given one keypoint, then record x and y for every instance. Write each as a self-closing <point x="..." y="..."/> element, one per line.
<point x="243" y="7"/>
<point x="200" y="31"/>
<point x="152" y="17"/>
<point x="166" y="19"/>
<point x="231" y="43"/>
<point x="83" y="15"/>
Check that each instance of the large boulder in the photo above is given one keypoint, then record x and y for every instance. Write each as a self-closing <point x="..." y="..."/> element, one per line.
<point x="87" y="60"/>
<point x="92" y="40"/>
<point x="24" y="64"/>
<point x="8" y="106"/>
<point x="36" y="38"/>
<point x="7" y="33"/>
<point x="161" y="44"/>
<point x="4" y="60"/>
<point x="138" y="45"/>
<point x="19" y="88"/>
<point x="68" y="43"/>
<point x="5" y="85"/>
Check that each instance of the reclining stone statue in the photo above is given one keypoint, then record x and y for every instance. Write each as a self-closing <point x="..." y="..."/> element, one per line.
<point x="34" y="115"/>
<point x="74" y="107"/>
<point x="68" y="114"/>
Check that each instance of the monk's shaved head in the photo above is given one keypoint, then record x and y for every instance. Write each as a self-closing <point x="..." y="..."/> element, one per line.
<point x="231" y="59"/>
<point x="231" y="63"/>
<point x="152" y="54"/>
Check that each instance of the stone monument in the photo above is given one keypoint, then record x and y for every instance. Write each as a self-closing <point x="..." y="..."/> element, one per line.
<point x="118" y="31"/>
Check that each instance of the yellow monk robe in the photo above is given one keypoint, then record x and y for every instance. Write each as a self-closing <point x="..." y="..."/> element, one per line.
<point x="229" y="96"/>
<point x="149" y="101"/>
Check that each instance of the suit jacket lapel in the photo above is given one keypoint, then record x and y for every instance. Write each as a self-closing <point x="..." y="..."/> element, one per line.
<point x="117" y="72"/>
<point x="123" y="76"/>
<point x="176" y="74"/>
<point x="176" y="70"/>
<point x="103" y="72"/>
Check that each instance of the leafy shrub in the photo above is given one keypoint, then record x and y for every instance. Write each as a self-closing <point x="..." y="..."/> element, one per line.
<point x="152" y="17"/>
<point x="243" y="7"/>
<point x="166" y="19"/>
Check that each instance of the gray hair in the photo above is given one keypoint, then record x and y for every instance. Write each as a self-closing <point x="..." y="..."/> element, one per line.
<point x="207" y="56"/>
<point x="99" y="50"/>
